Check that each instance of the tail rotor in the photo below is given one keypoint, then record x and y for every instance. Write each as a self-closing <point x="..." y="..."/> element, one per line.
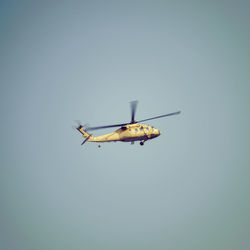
<point x="82" y="129"/>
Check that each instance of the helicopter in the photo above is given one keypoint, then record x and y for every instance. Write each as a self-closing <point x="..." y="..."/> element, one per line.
<point x="128" y="132"/>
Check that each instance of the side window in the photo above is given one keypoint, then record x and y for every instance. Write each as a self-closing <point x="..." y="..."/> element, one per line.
<point x="147" y="128"/>
<point x="136" y="130"/>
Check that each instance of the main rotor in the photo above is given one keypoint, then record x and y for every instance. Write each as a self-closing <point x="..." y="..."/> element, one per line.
<point x="133" y="106"/>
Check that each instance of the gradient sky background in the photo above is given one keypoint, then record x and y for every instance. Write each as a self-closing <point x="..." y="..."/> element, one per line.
<point x="62" y="61"/>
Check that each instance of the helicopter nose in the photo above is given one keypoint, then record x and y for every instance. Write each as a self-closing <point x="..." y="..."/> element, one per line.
<point x="158" y="132"/>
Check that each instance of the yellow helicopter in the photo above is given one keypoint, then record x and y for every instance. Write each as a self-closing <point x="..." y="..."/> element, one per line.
<point x="128" y="132"/>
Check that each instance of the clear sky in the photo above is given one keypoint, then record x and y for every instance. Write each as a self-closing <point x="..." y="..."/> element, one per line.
<point x="62" y="61"/>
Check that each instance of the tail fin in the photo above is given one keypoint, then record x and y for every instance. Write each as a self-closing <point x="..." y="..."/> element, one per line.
<point x="83" y="132"/>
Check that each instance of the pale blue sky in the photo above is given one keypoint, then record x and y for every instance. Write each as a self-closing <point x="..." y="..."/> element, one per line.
<point x="86" y="60"/>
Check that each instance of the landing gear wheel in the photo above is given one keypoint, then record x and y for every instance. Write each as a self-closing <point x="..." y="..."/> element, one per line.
<point x="99" y="145"/>
<point x="141" y="143"/>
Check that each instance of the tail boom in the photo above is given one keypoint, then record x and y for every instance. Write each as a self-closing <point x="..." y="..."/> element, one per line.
<point x="88" y="137"/>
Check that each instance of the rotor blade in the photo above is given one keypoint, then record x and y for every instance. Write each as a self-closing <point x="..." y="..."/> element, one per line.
<point x="84" y="140"/>
<point x="133" y="106"/>
<point x="107" y="126"/>
<point x="160" y="116"/>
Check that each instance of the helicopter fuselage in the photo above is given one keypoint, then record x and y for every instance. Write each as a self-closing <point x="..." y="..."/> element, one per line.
<point x="128" y="133"/>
